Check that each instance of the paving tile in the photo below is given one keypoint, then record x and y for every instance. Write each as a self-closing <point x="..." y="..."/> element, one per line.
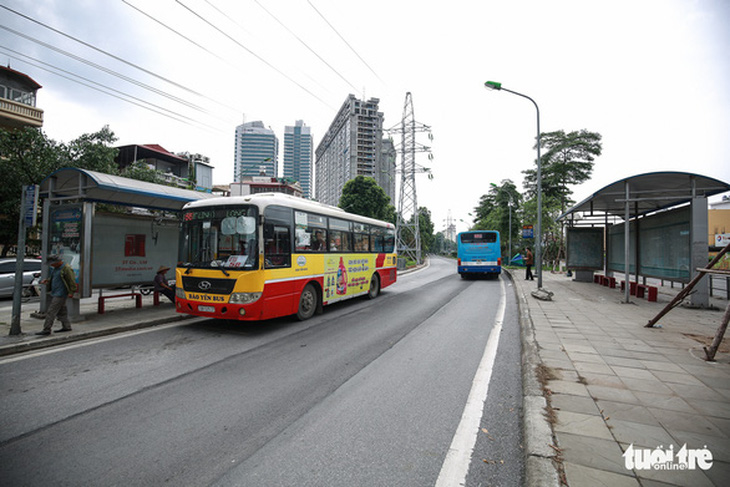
<point x="639" y="434"/>
<point x="576" y="404"/>
<point x="563" y="364"/>
<point x="674" y="421"/>
<point x="622" y="361"/>
<point x="655" y="483"/>
<point x="706" y="371"/>
<point x="722" y="424"/>
<point x="566" y="387"/>
<point x="633" y="372"/>
<point x="556" y="354"/>
<point x="696" y="391"/>
<point x="582" y="476"/>
<point x="686" y="478"/>
<point x="654" y="386"/>
<point x="723" y="391"/>
<point x="613" y="394"/>
<point x="592" y="452"/>
<point x="618" y="352"/>
<point x="677" y="378"/>
<point x="603" y="380"/>
<point x="662" y="366"/>
<point x="711" y="408"/>
<point x="662" y="401"/>
<point x="627" y="412"/>
<point x="598" y="368"/>
<point x="719" y="473"/>
<point x="582" y="424"/>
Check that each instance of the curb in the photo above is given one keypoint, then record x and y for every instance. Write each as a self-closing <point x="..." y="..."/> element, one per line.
<point x="540" y="469"/>
<point x="28" y="346"/>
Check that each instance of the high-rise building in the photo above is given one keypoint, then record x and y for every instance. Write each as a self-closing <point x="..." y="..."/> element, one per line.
<point x="298" y="156"/>
<point x="256" y="151"/>
<point x="386" y="174"/>
<point x="351" y="147"/>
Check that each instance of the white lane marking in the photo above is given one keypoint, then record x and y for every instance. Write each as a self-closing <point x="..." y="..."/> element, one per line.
<point x="91" y="341"/>
<point x="456" y="464"/>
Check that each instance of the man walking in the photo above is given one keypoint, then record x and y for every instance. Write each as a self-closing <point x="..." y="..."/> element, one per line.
<point x="529" y="260"/>
<point x="61" y="285"/>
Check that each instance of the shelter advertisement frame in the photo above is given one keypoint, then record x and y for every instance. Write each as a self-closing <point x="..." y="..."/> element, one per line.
<point x="584" y="248"/>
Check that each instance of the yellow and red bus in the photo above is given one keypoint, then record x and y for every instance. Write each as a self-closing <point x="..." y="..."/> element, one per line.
<point x="268" y="255"/>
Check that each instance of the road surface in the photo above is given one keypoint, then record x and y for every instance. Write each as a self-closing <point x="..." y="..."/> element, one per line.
<point x="383" y="392"/>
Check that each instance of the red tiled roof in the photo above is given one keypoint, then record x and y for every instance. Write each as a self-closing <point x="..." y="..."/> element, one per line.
<point x="27" y="78"/>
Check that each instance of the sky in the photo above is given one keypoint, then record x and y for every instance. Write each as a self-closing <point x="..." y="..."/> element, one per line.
<point x="651" y="76"/>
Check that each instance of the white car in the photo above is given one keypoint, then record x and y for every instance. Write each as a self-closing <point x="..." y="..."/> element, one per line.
<point x="31" y="267"/>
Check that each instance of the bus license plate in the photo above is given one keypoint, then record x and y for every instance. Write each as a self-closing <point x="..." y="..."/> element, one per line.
<point x="206" y="309"/>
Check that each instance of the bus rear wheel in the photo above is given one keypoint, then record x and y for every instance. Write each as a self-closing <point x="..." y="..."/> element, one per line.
<point x="374" y="286"/>
<point x="307" y="303"/>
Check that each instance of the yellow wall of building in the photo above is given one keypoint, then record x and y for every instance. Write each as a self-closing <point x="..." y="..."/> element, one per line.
<point x="718" y="221"/>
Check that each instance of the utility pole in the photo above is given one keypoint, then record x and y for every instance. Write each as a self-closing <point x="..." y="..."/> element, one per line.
<point x="408" y="237"/>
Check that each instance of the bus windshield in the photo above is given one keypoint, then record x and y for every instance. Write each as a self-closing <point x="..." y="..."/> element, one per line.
<point x="477" y="238"/>
<point x="224" y="237"/>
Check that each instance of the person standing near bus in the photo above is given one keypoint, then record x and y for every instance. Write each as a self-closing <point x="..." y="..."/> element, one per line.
<point x="61" y="284"/>
<point x="529" y="260"/>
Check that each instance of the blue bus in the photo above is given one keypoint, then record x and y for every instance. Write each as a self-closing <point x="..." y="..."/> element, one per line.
<point x="479" y="253"/>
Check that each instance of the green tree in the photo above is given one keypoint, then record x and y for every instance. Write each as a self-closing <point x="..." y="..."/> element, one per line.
<point x="567" y="160"/>
<point x="494" y="210"/>
<point x="425" y="231"/>
<point x="142" y="172"/>
<point x="27" y="156"/>
<point x="363" y="196"/>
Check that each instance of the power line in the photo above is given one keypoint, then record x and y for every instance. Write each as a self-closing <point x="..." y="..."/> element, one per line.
<point x="106" y="70"/>
<point x="102" y="88"/>
<point x="345" y="41"/>
<point x="252" y="53"/>
<point x="172" y="30"/>
<point x="90" y="46"/>
<point x="305" y="44"/>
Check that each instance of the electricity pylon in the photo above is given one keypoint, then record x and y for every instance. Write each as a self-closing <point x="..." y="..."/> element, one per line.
<point x="408" y="236"/>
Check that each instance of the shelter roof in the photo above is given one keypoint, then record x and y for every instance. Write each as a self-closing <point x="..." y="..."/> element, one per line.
<point x="72" y="182"/>
<point x="648" y="192"/>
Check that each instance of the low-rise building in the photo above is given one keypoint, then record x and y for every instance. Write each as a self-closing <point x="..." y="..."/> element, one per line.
<point x="18" y="100"/>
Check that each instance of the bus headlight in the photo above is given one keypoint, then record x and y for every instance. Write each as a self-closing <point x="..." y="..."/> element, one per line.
<point x="179" y="293"/>
<point x="244" y="298"/>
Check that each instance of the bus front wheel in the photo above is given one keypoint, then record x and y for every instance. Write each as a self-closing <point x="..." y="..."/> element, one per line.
<point x="374" y="286"/>
<point x="307" y="303"/>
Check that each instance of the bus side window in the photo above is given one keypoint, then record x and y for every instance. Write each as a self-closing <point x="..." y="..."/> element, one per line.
<point x="277" y="237"/>
<point x="378" y="239"/>
<point x="277" y="246"/>
<point x="339" y="234"/>
<point x="362" y="237"/>
<point x="311" y="232"/>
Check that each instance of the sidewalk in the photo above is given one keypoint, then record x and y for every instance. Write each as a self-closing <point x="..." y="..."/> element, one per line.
<point x="612" y="383"/>
<point x="120" y="315"/>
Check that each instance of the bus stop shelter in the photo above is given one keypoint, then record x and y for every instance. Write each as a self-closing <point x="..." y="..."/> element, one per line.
<point x="649" y="225"/>
<point x="111" y="249"/>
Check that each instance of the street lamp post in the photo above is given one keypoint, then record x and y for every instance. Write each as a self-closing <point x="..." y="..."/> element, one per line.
<point x="493" y="85"/>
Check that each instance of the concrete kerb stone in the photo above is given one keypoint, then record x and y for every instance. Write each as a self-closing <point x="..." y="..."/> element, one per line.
<point x="540" y="453"/>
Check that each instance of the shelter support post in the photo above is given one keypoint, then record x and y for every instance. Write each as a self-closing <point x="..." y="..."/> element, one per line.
<point x="699" y="247"/>
<point x="627" y="240"/>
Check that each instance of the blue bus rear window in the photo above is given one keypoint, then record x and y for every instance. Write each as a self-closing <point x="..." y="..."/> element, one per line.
<point x="486" y="237"/>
